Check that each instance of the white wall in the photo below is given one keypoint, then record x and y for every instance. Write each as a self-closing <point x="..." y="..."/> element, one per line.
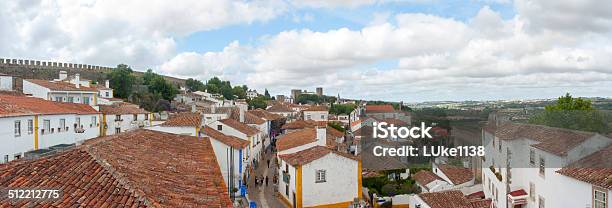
<point x="12" y="145"/>
<point x="6" y="83"/>
<point x="222" y="152"/>
<point x="127" y="123"/>
<point x="282" y="184"/>
<point x="316" y="115"/>
<point x="188" y="130"/>
<point x="340" y="172"/>
<point x="35" y="90"/>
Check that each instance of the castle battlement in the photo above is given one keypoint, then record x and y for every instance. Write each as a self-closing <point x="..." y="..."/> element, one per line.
<point x="49" y="64"/>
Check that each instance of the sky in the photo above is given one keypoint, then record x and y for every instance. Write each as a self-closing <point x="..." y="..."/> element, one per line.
<point x="395" y="50"/>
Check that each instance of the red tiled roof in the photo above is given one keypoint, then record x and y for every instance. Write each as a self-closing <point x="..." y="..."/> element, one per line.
<point x="60" y="86"/>
<point x="395" y="122"/>
<point x="299" y="124"/>
<point x="447" y="199"/>
<point x="265" y="114"/>
<point x="425" y="177"/>
<point x="557" y="141"/>
<point x="311" y="154"/>
<point x="250" y="118"/>
<point x="245" y="129"/>
<point x="457" y="175"/>
<point x="334" y="132"/>
<point x="122" y="109"/>
<point x="296" y="138"/>
<point x="481" y="203"/>
<point x="279" y="108"/>
<point x="379" y="109"/>
<point x="317" y="108"/>
<point x="21" y="105"/>
<point x="231" y="141"/>
<point x="476" y="195"/>
<point x="595" y="169"/>
<point x="123" y="171"/>
<point x="184" y="119"/>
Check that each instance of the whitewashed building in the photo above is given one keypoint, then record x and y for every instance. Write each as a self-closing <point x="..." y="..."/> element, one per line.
<point x="6" y="82"/>
<point x="524" y="166"/>
<point x="61" y="90"/>
<point x="243" y="131"/>
<point x="122" y="117"/>
<point x="316" y="113"/>
<point x="233" y="157"/>
<point x="319" y="176"/>
<point x="33" y="123"/>
<point x="301" y="139"/>
<point x="187" y="123"/>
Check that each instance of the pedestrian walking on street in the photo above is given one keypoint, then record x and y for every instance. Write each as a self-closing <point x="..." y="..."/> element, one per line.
<point x="266" y="180"/>
<point x="268" y="163"/>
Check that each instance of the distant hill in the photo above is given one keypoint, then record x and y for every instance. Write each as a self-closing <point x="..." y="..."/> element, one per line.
<point x="30" y="69"/>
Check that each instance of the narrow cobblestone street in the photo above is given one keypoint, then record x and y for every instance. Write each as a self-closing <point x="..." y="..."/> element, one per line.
<point x="265" y="196"/>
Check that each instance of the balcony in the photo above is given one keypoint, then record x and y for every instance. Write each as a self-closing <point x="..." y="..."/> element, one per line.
<point x="518" y="197"/>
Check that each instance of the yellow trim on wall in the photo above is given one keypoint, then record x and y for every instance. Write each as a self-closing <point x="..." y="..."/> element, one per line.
<point x="359" y="180"/>
<point x="103" y="125"/>
<point x="197" y="128"/>
<point x="36" y="132"/>
<point x="298" y="185"/>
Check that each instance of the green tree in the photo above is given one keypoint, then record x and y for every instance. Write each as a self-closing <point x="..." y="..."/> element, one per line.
<point x="239" y="91"/>
<point x="573" y="113"/>
<point x="258" y="102"/>
<point x="148" y="76"/>
<point x="194" y="85"/>
<point x="336" y="126"/>
<point x="267" y="95"/>
<point x="338" y="109"/>
<point x="121" y="80"/>
<point x="308" y="98"/>
<point x="160" y="86"/>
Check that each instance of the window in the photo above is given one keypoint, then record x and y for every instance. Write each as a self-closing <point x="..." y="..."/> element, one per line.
<point x="47" y="126"/>
<point x="94" y="121"/>
<point x="541" y="202"/>
<point x="6" y="158"/>
<point x="135" y="117"/>
<point x="106" y="93"/>
<point x="62" y="124"/>
<point x="70" y="99"/>
<point x="85" y="100"/>
<point x="307" y="117"/>
<point x="117" y="130"/>
<point x="146" y="116"/>
<point x="599" y="198"/>
<point x="219" y="127"/>
<point x="532" y="157"/>
<point x="532" y="191"/>
<point x="322" y="116"/>
<point x="117" y="117"/>
<point x="542" y="163"/>
<point x="30" y="126"/>
<point x="58" y="99"/>
<point x="17" y="128"/>
<point x="320" y="176"/>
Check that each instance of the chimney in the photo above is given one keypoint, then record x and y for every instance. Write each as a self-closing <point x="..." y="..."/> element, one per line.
<point x="77" y="80"/>
<point x="63" y="75"/>
<point x="242" y="112"/>
<point x="107" y="83"/>
<point x="321" y="135"/>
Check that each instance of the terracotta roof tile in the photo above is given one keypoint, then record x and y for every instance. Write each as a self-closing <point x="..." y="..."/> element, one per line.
<point x="296" y="138"/>
<point x="557" y="141"/>
<point x="265" y="114"/>
<point x="60" y="86"/>
<point x="300" y="124"/>
<point x="231" y="141"/>
<point x="395" y="122"/>
<point x="250" y="118"/>
<point x="246" y="129"/>
<point x="447" y="199"/>
<point x="311" y="154"/>
<point x="379" y="109"/>
<point x="317" y="108"/>
<point x="279" y="108"/>
<point x="425" y="177"/>
<point x="457" y="175"/>
<point x="121" y="109"/>
<point x="334" y="132"/>
<point x="184" y="119"/>
<point x="21" y="105"/>
<point x="123" y="171"/>
<point x="595" y="169"/>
